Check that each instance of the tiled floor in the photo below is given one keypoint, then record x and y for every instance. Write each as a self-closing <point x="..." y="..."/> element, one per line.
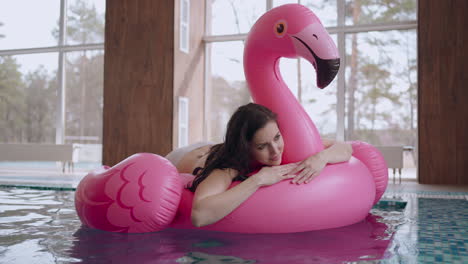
<point x="435" y="227"/>
<point x="442" y="233"/>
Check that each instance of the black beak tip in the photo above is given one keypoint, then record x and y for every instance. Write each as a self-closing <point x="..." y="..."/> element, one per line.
<point x="327" y="71"/>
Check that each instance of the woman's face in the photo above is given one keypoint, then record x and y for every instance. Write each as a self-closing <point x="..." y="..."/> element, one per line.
<point x="267" y="145"/>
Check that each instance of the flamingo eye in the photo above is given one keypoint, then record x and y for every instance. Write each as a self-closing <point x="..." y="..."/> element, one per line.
<point x="280" y="28"/>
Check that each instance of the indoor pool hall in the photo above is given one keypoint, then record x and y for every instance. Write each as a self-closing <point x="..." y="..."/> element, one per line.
<point x="233" y="131"/>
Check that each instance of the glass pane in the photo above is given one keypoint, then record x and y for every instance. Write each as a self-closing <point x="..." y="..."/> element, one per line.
<point x="379" y="11"/>
<point x="228" y="87"/>
<point x="320" y="104"/>
<point x="234" y="16"/>
<point x="325" y="10"/>
<point x="288" y="69"/>
<point x="283" y="2"/>
<point x="85" y="21"/>
<point x="381" y="87"/>
<point x="28" y="24"/>
<point x="28" y="98"/>
<point x="84" y="102"/>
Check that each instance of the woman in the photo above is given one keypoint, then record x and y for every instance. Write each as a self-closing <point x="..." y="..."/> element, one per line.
<point x="252" y="153"/>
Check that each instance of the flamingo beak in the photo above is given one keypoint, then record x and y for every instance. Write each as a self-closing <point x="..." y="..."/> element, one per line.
<point x="326" y="72"/>
<point x="314" y="44"/>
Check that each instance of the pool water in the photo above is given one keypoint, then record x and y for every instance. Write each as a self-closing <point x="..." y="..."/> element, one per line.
<point x="41" y="226"/>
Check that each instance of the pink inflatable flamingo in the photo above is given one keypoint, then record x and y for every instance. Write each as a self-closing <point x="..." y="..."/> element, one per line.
<point x="289" y="31"/>
<point x="293" y="31"/>
<point x="145" y="193"/>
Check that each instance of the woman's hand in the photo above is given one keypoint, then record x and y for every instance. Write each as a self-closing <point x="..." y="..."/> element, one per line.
<point x="309" y="168"/>
<point x="271" y="175"/>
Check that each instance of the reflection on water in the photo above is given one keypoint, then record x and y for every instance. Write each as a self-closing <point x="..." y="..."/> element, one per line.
<point x="49" y="231"/>
<point x="203" y="258"/>
<point x="367" y="240"/>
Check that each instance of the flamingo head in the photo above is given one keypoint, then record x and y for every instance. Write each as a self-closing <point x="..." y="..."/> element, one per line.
<point x="293" y="31"/>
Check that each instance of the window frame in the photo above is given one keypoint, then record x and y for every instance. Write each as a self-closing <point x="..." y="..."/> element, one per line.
<point x="61" y="48"/>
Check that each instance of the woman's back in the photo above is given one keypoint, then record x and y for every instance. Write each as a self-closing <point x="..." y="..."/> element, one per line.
<point x="193" y="159"/>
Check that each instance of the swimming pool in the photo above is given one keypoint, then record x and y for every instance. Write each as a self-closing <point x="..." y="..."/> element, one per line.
<point x="41" y="226"/>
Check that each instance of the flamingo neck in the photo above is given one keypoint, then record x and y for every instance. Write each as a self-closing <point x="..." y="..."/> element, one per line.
<point x="268" y="88"/>
<point x="265" y="86"/>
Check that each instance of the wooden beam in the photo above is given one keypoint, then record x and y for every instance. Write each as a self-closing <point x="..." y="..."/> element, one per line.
<point x="138" y="78"/>
<point x="442" y="92"/>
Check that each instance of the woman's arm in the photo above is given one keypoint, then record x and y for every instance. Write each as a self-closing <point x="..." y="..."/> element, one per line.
<point x="335" y="151"/>
<point x="311" y="167"/>
<point x="213" y="200"/>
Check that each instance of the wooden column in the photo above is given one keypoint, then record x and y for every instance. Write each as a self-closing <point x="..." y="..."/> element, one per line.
<point x="138" y="78"/>
<point x="443" y="91"/>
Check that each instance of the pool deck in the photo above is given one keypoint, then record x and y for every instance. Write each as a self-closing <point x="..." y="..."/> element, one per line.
<point x="41" y="177"/>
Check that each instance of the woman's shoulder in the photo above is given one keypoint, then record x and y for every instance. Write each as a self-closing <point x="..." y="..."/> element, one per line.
<point x="229" y="173"/>
<point x="217" y="181"/>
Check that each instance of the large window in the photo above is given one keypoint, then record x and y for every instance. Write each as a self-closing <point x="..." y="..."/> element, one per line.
<point x="51" y="71"/>
<point x="372" y="99"/>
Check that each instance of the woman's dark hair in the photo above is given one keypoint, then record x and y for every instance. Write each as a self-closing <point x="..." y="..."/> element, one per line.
<point x="234" y="153"/>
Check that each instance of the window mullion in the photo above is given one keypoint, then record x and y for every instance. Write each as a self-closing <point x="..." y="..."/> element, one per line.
<point x="269" y="4"/>
<point x="207" y="79"/>
<point x="341" y="89"/>
<point x="60" y="121"/>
